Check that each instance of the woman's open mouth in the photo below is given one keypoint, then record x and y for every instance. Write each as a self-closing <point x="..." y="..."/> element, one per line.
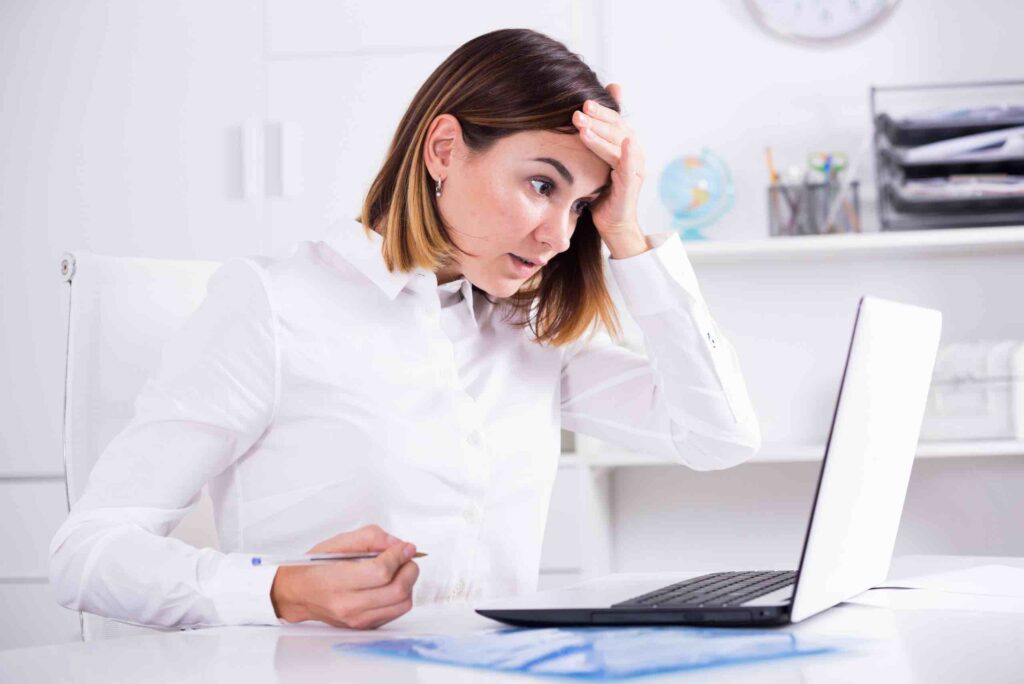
<point x="523" y="267"/>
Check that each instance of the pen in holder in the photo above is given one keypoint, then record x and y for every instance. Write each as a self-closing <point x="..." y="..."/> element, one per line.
<point x="813" y="208"/>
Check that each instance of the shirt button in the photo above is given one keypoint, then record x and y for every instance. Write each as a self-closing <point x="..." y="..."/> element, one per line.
<point x="475" y="438"/>
<point x="472" y="515"/>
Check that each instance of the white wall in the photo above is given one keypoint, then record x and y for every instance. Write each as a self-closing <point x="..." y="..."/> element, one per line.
<point x="706" y="74"/>
<point x="712" y="77"/>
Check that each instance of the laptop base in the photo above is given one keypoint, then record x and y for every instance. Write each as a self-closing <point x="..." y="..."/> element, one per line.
<point x="753" y="616"/>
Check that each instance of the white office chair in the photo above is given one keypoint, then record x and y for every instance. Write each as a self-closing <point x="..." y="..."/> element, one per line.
<point x="120" y="312"/>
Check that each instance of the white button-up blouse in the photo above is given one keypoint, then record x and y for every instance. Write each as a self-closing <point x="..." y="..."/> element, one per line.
<point x="316" y="392"/>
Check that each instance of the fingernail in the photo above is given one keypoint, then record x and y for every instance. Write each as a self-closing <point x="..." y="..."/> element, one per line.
<point x="584" y="118"/>
<point x="409" y="551"/>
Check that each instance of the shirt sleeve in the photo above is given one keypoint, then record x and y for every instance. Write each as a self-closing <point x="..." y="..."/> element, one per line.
<point x="686" y="399"/>
<point x="211" y="397"/>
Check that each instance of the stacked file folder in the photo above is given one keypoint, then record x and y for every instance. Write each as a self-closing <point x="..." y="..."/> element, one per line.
<point x="952" y="166"/>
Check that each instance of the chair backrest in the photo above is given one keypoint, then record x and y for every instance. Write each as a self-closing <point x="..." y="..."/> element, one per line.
<point x="120" y="312"/>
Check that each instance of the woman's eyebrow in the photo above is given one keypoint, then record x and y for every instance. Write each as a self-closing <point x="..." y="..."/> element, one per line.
<point x="565" y="174"/>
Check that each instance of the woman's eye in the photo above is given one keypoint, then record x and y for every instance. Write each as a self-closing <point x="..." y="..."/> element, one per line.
<point x="579" y="207"/>
<point x="542" y="182"/>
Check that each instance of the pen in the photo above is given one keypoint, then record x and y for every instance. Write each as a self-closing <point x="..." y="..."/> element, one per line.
<point x="775" y="186"/>
<point x="773" y="173"/>
<point x="844" y="188"/>
<point x="315" y="558"/>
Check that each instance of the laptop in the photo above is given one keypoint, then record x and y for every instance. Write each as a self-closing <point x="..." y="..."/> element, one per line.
<point x="854" y="518"/>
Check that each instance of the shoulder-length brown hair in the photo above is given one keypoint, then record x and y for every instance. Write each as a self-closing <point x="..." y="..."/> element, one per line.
<point x="497" y="84"/>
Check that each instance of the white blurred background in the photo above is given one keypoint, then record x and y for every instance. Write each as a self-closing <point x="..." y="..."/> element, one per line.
<point x="204" y="129"/>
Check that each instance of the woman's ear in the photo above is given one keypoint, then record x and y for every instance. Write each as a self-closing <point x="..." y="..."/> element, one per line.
<point x="440" y="144"/>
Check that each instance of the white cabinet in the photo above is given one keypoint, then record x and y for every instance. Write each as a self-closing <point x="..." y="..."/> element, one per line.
<point x="32" y="616"/>
<point x="31" y="511"/>
<point x="183" y="129"/>
<point x="121" y="132"/>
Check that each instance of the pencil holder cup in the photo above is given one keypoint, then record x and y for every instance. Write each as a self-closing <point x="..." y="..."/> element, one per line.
<point x="804" y="209"/>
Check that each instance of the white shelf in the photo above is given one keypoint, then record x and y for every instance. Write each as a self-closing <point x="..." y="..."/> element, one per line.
<point x="978" y="448"/>
<point x="854" y="245"/>
<point x="623" y="458"/>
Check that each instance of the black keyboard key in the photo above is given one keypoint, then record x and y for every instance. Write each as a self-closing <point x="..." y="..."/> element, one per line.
<point x="715" y="589"/>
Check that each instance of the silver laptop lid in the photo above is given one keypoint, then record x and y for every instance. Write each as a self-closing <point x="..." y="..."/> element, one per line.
<point x="869" y="454"/>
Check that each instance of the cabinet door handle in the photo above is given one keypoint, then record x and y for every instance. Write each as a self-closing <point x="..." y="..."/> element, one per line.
<point x="252" y="159"/>
<point x="291" y="159"/>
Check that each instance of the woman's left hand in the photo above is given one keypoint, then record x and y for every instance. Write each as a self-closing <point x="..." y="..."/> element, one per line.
<point x="604" y="131"/>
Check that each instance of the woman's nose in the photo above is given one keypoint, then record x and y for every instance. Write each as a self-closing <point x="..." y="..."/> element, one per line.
<point x="558" y="231"/>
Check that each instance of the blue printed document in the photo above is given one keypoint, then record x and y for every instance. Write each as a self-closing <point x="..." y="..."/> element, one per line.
<point x="597" y="652"/>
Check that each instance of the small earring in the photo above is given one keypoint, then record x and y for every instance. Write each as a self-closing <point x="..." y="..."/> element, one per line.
<point x="437" y="190"/>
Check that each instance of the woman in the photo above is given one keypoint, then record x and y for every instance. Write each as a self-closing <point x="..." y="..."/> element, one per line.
<point x="404" y="382"/>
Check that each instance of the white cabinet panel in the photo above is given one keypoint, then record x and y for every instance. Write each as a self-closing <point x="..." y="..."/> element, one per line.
<point x="297" y="27"/>
<point x="346" y="120"/>
<point x="561" y="548"/>
<point x="32" y="617"/>
<point x="30" y="513"/>
<point x="120" y="134"/>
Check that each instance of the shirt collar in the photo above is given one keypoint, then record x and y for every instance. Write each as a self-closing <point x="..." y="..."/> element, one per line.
<point x="453" y="287"/>
<point x="362" y="248"/>
<point x="363" y="251"/>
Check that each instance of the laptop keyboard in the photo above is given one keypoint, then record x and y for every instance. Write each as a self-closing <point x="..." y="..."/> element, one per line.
<point x="715" y="589"/>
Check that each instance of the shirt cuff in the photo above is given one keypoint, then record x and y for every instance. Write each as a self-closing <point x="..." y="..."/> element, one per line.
<point x="241" y="592"/>
<point x="650" y="282"/>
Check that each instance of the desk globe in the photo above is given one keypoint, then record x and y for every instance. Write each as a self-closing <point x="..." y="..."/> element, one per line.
<point x="697" y="190"/>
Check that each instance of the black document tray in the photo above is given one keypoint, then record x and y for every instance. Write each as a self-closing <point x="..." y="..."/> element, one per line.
<point x="907" y="132"/>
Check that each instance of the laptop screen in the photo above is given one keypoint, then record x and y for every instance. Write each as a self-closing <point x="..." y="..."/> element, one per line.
<point x="868" y="455"/>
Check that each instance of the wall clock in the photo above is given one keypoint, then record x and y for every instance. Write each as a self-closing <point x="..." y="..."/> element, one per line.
<point x="819" y="21"/>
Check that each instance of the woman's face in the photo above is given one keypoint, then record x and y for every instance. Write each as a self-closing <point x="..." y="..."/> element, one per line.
<point x="521" y="197"/>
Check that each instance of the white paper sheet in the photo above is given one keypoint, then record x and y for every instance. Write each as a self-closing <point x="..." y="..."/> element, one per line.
<point x="986" y="588"/>
<point x="984" y="580"/>
<point x="926" y="599"/>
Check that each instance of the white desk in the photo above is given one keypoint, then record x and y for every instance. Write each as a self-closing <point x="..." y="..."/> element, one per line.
<point x="905" y="646"/>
